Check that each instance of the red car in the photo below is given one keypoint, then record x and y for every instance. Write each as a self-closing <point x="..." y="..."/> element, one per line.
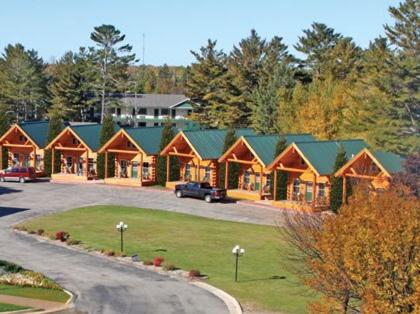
<point x="18" y="174"/>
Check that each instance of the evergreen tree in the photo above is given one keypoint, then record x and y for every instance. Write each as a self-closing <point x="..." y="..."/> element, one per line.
<point x="107" y="131"/>
<point x="4" y="126"/>
<point x="203" y="84"/>
<point x="55" y="126"/>
<point x="316" y="44"/>
<point x="166" y="80"/>
<point x="230" y="139"/>
<point x="336" y="194"/>
<point x="111" y="61"/>
<point x="265" y="106"/>
<point x="281" y="193"/>
<point x="67" y="89"/>
<point x="166" y="138"/>
<point x="23" y="82"/>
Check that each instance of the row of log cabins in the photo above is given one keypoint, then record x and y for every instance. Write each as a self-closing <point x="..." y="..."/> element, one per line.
<point x="309" y="163"/>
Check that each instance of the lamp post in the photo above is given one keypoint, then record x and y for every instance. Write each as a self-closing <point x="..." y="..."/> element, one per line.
<point x="121" y="227"/>
<point x="237" y="251"/>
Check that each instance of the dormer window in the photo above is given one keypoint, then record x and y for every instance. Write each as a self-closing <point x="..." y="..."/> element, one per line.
<point x="130" y="145"/>
<point x="302" y="162"/>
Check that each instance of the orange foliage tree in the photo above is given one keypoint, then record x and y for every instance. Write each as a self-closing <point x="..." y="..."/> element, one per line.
<point x="366" y="258"/>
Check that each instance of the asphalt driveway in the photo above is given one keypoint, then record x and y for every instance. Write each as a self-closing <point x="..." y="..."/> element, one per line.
<point x="103" y="286"/>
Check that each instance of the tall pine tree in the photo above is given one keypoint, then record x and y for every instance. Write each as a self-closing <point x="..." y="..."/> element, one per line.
<point x="55" y="126"/>
<point x="336" y="194"/>
<point x="167" y="136"/>
<point x="281" y="193"/>
<point x="230" y="139"/>
<point x="4" y="126"/>
<point x="107" y="131"/>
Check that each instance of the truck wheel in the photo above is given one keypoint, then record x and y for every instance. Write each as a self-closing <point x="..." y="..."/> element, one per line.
<point x="22" y="180"/>
<point x="207" y="198"/>
<point x="179" y="194"/>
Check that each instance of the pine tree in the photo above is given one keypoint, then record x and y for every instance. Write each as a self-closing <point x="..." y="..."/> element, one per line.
<point x="166" y="138"/>
<point x="55" y="126"/>
<point x="107" y="131"/>
<point x="230" y="139"/>
<point x="203" y="84"/>
<point x="281" y="193"/>
<point x="111" y="61"/>
<point x="4" y="126"/>
<point x="166" y="80"/>
<point x="316" y="44"/>
<point x="23" y="82"/>
<point x="67" y="88"/>
<point x="336" y="194"/>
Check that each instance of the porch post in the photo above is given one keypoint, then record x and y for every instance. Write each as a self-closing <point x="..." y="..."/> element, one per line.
<point x="275" y="185"/>
<point x="314" y="191"/>
<point x="87" y="164"/>
<point x="52" y="160"/>
<point x="197" y="175"/>
<point x="167" y="167"/>
<point x="140" y="172"/>
<point x="261" y="180"/>
<point x="344" y="188"/>
<point x="34" y="160"/>
<point x="1" y="157"/>
<point x="227" y="175"/>
<point x="106" y="164"/>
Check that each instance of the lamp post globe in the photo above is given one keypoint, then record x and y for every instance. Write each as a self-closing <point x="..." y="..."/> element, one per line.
<point x="237" y="251"/>
<point x="121" y="227"/>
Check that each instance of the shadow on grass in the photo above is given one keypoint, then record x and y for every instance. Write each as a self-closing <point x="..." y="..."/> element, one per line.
<point x="6" y="211"/>
<point x="275" y="277"/>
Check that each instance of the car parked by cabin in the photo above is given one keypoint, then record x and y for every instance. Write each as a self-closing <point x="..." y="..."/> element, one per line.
<point x="18" y="174"/>
<point x="201" y="190"/>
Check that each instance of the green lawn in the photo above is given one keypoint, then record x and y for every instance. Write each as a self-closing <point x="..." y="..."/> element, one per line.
<point x="191" y="242"/>
<point x="4" y="307"/>
<point x="34" y="293"/>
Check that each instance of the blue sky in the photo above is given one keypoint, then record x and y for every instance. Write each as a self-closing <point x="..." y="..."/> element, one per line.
<point x="173" y="28"/>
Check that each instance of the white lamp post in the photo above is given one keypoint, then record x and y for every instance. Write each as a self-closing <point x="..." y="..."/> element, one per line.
<point x="237" y="251"/>
<point x="121" y="227"/>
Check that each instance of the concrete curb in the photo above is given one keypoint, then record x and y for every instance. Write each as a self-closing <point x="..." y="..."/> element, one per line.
<point x="232" y="304"/>
<point x="65" y="306"/>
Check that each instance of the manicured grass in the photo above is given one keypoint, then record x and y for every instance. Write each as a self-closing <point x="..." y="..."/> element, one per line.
<point x="34" y="293"/>
<point x="4" y="307"/>
<point x="191" y="242"/>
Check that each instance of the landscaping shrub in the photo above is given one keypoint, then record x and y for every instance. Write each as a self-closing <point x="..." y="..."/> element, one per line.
<point x="157" y="261"/>
<point x="20" y="228"/>
<point x="62" y="236"/>
<point x="108" y="252"/>
<point x="31" y="231"/>
<point x="169" y="267"/>
<point x="10" y="267"/>
<point x="148" y="263"/>
<point x="40" y="232"/>
<point x="72" y="241"/>
<point x="194" y="273"/>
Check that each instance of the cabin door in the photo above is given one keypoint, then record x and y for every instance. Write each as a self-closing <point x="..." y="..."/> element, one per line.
<point x="26" y="160"/>
<point x="309" y="191"/>
<point x="80" y="166"/>
<point x="15" y="159"/>
<point x="123" y="169"/>
<point x="134" y="169"/>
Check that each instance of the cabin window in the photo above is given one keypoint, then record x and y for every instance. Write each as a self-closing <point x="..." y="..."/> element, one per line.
<point x="156" y="124"/>
<point x="142" y="111"/>
<point x="374" y="168"/>
<point x="15" y="159"/>
<point x="296" y="186"/>
<point x="302" y="162"/>
<point x="321" y="190"/>
<point x="187" y="172"/>
<point x="133" y="111"/>
<point x="142" y="124"/>
<point x="118" y="111"/>
<point x="164" y="112"/>
<point x="247" y="179"/>
<point x="173" y="113"/>
<point x="146" y="172"/>
<point x="75" y="141"/>
<point x="189" y="112"/>
<point x="207" y="173"/>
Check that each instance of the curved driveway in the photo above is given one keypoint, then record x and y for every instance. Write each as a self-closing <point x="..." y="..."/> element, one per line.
<point x="100" y="285"/>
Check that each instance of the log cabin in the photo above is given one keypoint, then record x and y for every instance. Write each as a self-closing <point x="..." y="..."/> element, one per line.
<point x="135" y="152"/>
<point x="25" y="143"/>
<point x="198" y="152"/>
<point x="374" y="167"/>
<point x="253" y="153"/>
<point x="78" y="146"/>
<point x="310" y="166"/>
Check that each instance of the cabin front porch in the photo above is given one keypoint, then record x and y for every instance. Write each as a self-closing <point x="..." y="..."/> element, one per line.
<point x="75" y="165"/>
<point x="247" y="195"/>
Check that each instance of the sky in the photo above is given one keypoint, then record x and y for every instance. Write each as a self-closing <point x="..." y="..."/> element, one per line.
<point x="173" y="28"/>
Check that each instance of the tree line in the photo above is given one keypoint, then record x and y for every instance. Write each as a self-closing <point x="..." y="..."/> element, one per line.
<point x="337" y="90"/>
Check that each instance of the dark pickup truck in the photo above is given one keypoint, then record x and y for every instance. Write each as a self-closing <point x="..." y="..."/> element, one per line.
<point x="201" y="190"/>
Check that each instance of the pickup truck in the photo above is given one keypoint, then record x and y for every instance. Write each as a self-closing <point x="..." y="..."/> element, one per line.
<point x="201" y="190"/>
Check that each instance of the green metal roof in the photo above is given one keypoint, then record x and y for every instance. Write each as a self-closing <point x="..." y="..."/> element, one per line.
<point x="322" y="154"/>
<point x="265" y="145"/>
<point x="184" y="105"/>
<point x="390" y="161"/>
<point x="37" y="131"/>
<point x="209" y="143"/>
<point x="89" y="134"/>
<point x="147" y="138"/>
